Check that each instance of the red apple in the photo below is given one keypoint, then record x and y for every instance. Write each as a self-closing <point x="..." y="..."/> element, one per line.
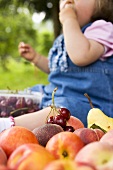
<point x="88" y="135"/>
<point x="108" y="137"/>
<point x="15" y="136"/>
<point x="29" y="157"/>
<point x="64" y="164"/>
<point x="3" y="157"/>
<point x="75" y="122"/>
<point x="64" y="145"/>
<point x="96" y="154"/>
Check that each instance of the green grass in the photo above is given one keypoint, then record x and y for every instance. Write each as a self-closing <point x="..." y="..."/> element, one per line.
<point x="20" y="76"/>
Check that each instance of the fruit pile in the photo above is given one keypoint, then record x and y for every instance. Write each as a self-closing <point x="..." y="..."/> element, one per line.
<point x="16" y="105"/>
<point x="51" y="147"/>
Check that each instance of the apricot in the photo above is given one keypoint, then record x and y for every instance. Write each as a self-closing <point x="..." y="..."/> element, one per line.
<point x="45" y="132"/>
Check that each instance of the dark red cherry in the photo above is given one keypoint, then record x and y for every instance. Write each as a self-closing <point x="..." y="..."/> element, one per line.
<point x="69" y="129"/>
<point x="60" y="120"/>
<point x="51" y="120"/>
<point x="65" y="113"/>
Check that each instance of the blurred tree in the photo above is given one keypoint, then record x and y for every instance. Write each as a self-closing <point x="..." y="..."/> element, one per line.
<point x="13" y="29"/>
<point x="50" y="7"/>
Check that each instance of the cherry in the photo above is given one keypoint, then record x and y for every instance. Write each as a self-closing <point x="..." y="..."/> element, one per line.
<point x="51" y="120"/>
<point x="65" y="113"/>
<point x="69" y="129"/>
<point x="59" y="120"/>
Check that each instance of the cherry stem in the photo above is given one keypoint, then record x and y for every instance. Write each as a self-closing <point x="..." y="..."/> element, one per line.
<point x="53" y="94"/>
<point x="90" y="102"/>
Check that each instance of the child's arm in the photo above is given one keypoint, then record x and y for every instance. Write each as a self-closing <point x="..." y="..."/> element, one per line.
<point x="80" y="50"/>
<point x="27" y="52"/>
<point x="32" y="120"/>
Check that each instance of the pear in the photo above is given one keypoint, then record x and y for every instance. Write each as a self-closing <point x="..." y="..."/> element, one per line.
<point x="97" y="119"/>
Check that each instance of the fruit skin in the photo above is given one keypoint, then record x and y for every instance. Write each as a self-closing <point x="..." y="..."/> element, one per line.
<point x="97" y="117"/>
<point x="65" y="113"/>
<point x="3" y="157"/>
<point x="88" y="135"/>
<point x="29" y="157"/>
<point x="75" y="122"/>
<point x="64" y="145"/>
<point x="66" y="165"/>
<point x="45" y="132"/>
<point x="15" y="136"/>
<point x="3" y="167"/>
<point x="96" y="154"/>
<point x="108" y="137"/>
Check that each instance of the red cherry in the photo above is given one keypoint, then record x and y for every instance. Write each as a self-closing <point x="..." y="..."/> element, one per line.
<point x="59" y="120"/>
<point x="69" y="129"/>
<point x="65" y="113"/>
<point x="51" y="120"/>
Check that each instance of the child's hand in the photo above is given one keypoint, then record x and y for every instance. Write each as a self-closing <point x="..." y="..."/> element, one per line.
<point x="26" y="51"/>
<point x="67" y="10"/>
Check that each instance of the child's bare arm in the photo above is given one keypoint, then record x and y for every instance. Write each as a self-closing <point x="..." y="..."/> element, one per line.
<point x="80" y="50"/>
<point x="27" y="52"/>
<point x="32" y="120"/>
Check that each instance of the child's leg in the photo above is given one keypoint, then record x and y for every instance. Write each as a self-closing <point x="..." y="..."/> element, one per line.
<point x="32" y="120"/>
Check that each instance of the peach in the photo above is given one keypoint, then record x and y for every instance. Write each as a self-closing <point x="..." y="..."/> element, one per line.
<point x="64" y="145"/>
<point x="15" y="136"/>
<point x="108" y="137"/>
<point x="97" y="154"/>
<point x="88" y="135"/>
<point x="75" y="122"/>
<point x="46" y="131"/>
<point x="3" y="157"/>
<point x="29" y="157"/>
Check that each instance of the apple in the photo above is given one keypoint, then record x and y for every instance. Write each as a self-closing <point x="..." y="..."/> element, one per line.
<point x="96" y="154"/>
<point x="3" y="157"/>
<point x="29" y="157"/>
<point x="64" y="164"/>
<point x="15" y="136"/>
<point x="108" y="137"/>
<point x="64" y="145"/>
<point x="75" y="122"/>
<point x="88" y="135"/>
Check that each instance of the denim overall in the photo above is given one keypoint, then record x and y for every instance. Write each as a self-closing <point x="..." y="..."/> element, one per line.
<point x="73" y="81"/>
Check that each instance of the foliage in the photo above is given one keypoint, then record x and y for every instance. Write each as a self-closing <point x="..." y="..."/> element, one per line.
<point x="50" y="7"/>
<point x="17" y="28"/>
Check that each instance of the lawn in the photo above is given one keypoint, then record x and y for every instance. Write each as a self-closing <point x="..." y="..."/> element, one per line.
<point x="20" y="76"/>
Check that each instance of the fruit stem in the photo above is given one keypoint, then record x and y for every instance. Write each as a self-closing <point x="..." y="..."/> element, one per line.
<point x="53" y="94"/>
<point x="90" y="102"/>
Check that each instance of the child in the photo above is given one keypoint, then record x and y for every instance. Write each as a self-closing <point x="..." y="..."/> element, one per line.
<point x="80" y="61"/>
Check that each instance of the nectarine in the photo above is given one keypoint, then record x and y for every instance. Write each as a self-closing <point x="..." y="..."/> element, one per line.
<point x="15" y="136"/>
<point x="29" y="157"/>
<point x="64" y="145"/>
<point x="88" y="135"/>
<point x="3" y="157"/>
